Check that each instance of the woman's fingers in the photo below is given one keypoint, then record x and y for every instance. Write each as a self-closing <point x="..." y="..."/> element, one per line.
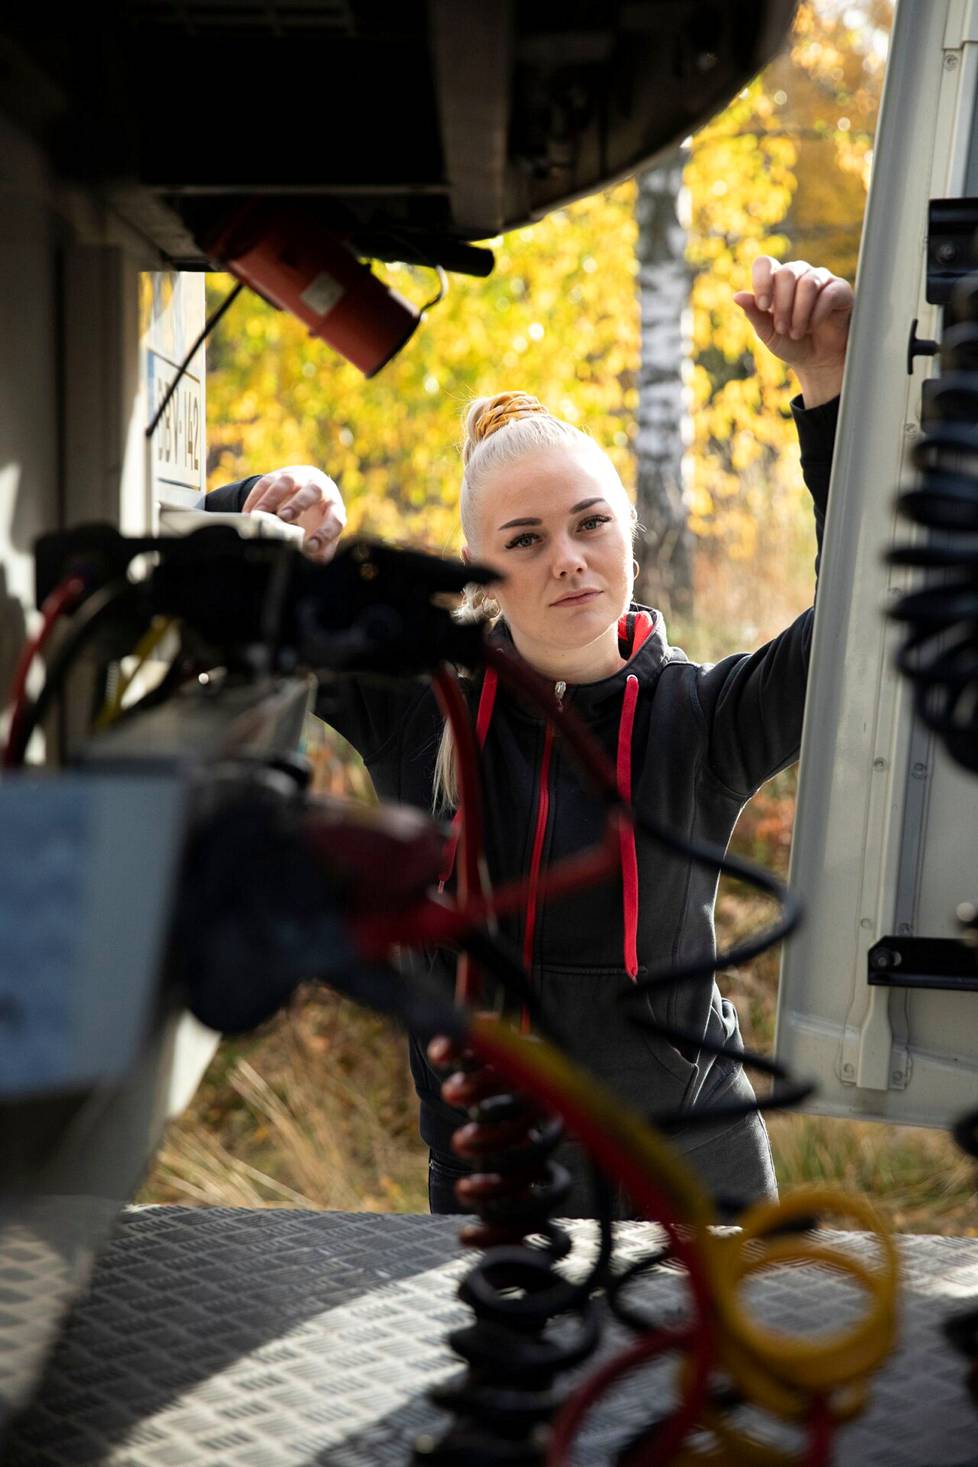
<point x="837" y="295"/>
<point x="320" y="544"/>
<point x="762" y="275"/>
<point x="304" y="496"/>
<point x="270" y="491"/>
<point x="785" y="283"/>
<point x="807" y="290"/>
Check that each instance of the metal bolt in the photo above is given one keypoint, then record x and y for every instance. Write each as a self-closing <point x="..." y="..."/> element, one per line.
<point x="946" y="252"/>
<point x="919" y="771"/>
<point x="866" y="922"/>
<point x="885" y="957"/>
<point x="904" y="929"/>
<point x="879" y="762"/>
<point x="897" y="1077"/>
<point x="848" y="1069"/>
<point x="951" y="61"/>
<point x="966" y="912"/>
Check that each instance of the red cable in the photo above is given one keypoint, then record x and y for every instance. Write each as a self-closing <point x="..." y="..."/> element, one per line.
<point x="64" y="595"/>
<point x="615" y="1159"/>
<point x="820" y="1425"/>
<point x="487" y="699"/>
<point x="671" y="1433"/>
<point x="619" y="1164"/>
<point x="438" y="921"/>
<point x="470" y="874"/>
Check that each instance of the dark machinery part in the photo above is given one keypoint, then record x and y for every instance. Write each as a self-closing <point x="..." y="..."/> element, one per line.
<point x="513" y="1352"/>
<point x="457" y="119"/>
<point x="370" y="609"/>
<point x="940" y="651"/>
<point x="952" y="246"/>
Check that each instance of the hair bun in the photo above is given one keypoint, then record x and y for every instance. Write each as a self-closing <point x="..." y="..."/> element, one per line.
<point x="488" y="414"/>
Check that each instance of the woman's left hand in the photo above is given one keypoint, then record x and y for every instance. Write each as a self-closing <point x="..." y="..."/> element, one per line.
<point x="306" y="496"/>
<point x="802" y="315"/>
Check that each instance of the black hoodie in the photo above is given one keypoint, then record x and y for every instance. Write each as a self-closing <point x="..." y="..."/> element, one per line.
<point x="696" y="742"/>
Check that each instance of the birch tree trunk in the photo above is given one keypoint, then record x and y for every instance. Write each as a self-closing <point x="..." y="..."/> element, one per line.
<point x="665" y="546"/>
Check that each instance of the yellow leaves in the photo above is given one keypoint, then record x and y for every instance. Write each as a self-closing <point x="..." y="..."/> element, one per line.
<point x="774" y="174"/>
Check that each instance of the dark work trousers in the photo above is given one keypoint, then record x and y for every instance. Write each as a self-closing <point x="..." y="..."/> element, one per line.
<point x="733" y="1161"/>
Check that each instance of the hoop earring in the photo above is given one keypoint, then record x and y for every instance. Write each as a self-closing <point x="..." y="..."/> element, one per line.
<point x="635" y="570"/>
<point x="488" y="608"/>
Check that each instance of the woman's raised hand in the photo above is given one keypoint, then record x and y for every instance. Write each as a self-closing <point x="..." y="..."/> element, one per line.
<point x="305" y="496"/>
<point x="802" y="315"/>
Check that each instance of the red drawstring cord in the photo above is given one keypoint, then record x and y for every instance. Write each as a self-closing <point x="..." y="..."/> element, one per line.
<point x="472" y="875"/>
<point x="629" y="857"/>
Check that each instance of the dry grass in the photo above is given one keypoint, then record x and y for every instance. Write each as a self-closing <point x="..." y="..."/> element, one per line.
<point x="316" y="1111"/>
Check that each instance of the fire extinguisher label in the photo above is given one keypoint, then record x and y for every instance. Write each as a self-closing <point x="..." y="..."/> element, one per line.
<point x="322" y="293"/>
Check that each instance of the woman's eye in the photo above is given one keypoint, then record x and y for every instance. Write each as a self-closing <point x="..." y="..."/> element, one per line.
<point x="519" y="541"/>
<point x="593" y="520"/>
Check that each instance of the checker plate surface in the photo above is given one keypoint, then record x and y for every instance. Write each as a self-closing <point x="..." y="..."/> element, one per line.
<point x="218" y="1337"/>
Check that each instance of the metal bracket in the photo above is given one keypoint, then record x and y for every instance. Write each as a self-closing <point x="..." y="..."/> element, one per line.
<point x="923" y="962"/>
<point x="952" y="226"/>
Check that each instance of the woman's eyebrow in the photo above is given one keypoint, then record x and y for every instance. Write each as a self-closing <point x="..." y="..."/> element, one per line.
<point x="584" y="504"/>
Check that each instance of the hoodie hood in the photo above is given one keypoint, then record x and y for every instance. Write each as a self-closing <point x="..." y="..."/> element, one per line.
<point x="644" y="662"/>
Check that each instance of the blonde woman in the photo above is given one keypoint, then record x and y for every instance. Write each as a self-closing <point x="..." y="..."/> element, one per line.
<point x="543" y="503"/>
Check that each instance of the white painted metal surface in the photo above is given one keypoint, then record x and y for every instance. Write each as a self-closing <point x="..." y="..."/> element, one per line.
<point x="886" y="833"/>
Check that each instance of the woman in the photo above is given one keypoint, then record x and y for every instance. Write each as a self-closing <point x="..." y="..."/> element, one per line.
<point x="542" y="503"/>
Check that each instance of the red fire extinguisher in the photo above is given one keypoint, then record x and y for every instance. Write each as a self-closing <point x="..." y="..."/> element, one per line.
<point x="298" y="265"/>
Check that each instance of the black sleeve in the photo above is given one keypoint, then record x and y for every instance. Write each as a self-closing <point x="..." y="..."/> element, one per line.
<point x="372" y="713"/>
<point x="231" y="497"/>
<point x="753" y="703"/>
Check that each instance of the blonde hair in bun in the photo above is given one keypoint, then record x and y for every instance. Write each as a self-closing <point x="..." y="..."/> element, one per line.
<point x="488" y="414"/>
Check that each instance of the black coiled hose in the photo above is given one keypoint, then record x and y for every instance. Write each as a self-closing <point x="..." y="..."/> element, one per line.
<point x="513" y="1353"/>
<point x="940" y="652"/>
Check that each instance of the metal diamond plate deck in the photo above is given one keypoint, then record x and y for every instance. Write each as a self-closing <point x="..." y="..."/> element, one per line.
<point x="237" y="1338"/>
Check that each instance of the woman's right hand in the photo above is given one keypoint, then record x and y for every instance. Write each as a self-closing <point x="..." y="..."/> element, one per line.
<point x="305" y="496"/>
<point x="802" y="316"/>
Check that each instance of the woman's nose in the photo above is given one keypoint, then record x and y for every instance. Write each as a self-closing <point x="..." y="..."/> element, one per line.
<point x="567" y="559"/>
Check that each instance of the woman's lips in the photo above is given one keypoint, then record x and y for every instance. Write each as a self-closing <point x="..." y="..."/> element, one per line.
<point x="576" y="600"/>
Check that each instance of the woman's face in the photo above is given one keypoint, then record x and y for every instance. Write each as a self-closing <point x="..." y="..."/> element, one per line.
<point x="557" y="523"/>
